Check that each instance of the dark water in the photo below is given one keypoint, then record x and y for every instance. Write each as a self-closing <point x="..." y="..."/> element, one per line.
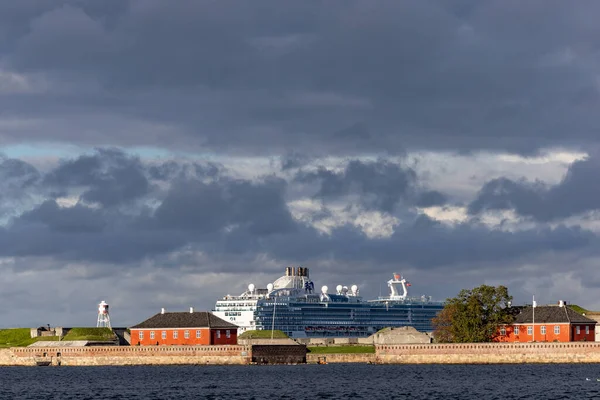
<point x="333" y="381"/>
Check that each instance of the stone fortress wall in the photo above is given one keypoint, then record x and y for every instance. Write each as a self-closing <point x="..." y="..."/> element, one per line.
<point x="473" y="353"/>
<point x="489" y="353"/>
<point x="126" y="355"/>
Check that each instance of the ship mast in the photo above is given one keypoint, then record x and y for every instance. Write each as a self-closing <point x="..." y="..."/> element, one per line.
<point x="394" y="285"/>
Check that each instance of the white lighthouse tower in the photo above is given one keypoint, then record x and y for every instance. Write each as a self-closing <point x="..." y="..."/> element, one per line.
<point x="103" y="317"/>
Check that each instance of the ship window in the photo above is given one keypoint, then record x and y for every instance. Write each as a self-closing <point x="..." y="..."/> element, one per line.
<point x="198" y="334"/>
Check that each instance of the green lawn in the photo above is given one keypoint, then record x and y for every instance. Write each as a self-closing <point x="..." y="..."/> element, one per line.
<point x="576" y="308"/>
<point x="92" y="334"/>
<point x="263" y="335"/>
<point x="341" y="349"/>
<point x="17" y="337"/>
<point x="21" y="337"/>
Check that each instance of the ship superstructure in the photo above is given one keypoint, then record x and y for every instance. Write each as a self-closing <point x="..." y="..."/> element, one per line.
<point x="291" y="304"/>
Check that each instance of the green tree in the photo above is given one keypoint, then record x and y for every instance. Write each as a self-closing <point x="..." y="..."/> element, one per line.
<point x="474" y="315"/>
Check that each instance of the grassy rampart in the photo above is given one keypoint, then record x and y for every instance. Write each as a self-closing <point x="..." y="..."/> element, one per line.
<point x="265" y="334"/>
<point x="91" y="334"/>
<point x="21" y="337"/>
<point x="356" y="349"/>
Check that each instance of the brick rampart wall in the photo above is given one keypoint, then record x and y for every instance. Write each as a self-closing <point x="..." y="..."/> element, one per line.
<point x="125" y="355"/>
<point x="481" y="353"/>
<point x="489" y="353"/>
<point x="364" y="358"/>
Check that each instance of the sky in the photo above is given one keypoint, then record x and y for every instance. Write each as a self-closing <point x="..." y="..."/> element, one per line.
<point x="164" y="154"/>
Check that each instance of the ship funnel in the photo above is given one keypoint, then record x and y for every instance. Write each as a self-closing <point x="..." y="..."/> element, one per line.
<point x="299" y="271"/>
<point x="287" y="271"/>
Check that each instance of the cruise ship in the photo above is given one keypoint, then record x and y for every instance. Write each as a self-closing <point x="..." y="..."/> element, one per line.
<point x="292" y="305"/>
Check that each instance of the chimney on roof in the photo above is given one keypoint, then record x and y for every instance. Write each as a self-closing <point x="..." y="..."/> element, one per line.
<point x="162" y="310"/>
<point x="191" y="310"/>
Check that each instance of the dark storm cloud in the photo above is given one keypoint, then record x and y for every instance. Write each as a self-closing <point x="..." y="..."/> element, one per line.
<point x="76" y="219"/>
<point x="109" y="177"/>
<point x="191" y="211"/>
<point x="16" y="174"/>
<point x="259" y="208"/>
<point x="16" y="178"/>
<point x="293" y="160"/>
<point x="222" y="216"/>
<point x="318" y="77"/>
<point x="423" y="243"/>
<point x="431" y="198"/>
<point x="381" y="184"/>
<point x="578" y="192"/>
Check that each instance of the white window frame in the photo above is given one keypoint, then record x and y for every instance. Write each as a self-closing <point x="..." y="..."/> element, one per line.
<point x="152" y="335"/>
<point x="516" y="329"/>
<point x="557" y="329"/>
<point x="587" y="329"/>
<point x="186" y="334"/>
<point x="228" y="334"/>
<point x="141" y="335"/>
<point x="543" y="329"/>
<point x="175" y="334"/>
<point x="164" y="334"/>
<point x="198" y="333"/>
<point x="502" y="331"/>
<point x="218" y="334"/>
<point x="577" y="330"/>
<point x="530" y="330"/>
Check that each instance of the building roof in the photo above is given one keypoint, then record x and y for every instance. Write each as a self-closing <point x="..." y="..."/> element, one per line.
<point x="551" y="314"/>
<point x="200" y="319"/>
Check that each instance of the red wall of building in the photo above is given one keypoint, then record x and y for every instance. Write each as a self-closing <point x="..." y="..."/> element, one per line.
<point x="223" y="339"/>
<point x="567" y="333"/>
<point x="590" y="337"/>
<point x="207" y="337"/>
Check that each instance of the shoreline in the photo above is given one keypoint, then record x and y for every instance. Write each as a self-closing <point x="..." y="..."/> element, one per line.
<point x="473" y="353"/>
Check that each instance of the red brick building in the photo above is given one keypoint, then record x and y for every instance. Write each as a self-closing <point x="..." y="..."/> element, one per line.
<point x="183" y="328"/>
<point x="553" y="323"/>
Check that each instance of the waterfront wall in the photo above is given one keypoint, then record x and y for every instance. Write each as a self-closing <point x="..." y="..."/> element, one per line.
<point x="365" y="358"/>
<point x="125" y="355"/>
<point x="478" y="353"/>
<point x="489" y="353"/>
<point x="279" y="354"/>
